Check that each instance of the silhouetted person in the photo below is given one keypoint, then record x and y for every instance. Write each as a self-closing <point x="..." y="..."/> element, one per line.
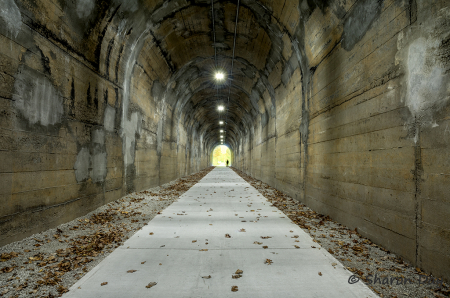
<point x="227" y="162"/>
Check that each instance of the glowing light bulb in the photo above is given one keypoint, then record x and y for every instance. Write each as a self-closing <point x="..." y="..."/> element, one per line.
<point x="221" y="122"/>
<point x="221" y="108"/>
<point x="220" y="76"/>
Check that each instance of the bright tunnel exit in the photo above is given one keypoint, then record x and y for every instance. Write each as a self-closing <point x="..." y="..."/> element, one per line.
<point x="220" y="156"/>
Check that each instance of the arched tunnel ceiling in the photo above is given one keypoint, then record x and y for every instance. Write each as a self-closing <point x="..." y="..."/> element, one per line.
<point x="173" y="43"/>
<point x="178" y="51"/>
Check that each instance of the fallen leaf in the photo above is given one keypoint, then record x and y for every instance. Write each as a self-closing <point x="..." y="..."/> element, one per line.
<point x="242" y="230"/>
<point x="143" y="262"/>
<point x="152" y="284"/>
<point x="227" y="236"/>
<point x="265" y="237"/>
<point x="268" y="262"/>
<point x="320" y="273"/>
<point x="256" y="242"/>
<point x="104" y="283"/>
<point x="234" y="288"/>
<point x="296" y="246"/>
<point x="265" y="247"/>
<point x="193" y="241"/>
<point x="206" y="277"/>
<point x="131" y="271"/>
<point x="151" y="233"/>
<point x="203" y="250"/>
<point x="239" y="271"/>
<point x="7" y="269"/>
<point x="62" y="289"/>
<point x="236" y="276"/>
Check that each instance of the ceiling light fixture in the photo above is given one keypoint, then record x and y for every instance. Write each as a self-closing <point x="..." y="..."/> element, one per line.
<point x="219" y="76"/>
<point x="221" y="122"/>
<point x="220" y="108"/>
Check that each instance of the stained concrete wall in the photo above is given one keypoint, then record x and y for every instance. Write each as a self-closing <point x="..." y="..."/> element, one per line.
<point x="84" y="119"/>
<point x="361" y="128"/>
<point x="344" y="105"/>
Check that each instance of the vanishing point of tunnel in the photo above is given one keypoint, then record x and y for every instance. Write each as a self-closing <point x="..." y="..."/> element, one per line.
<point x="342" y="105"/>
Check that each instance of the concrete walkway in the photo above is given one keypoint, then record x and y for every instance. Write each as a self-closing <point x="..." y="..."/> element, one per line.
<point x="188" y="242"/>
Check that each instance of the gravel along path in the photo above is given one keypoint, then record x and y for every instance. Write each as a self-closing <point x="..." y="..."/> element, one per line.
<point x="48" y="263"/>
<point x="387" y="274"/>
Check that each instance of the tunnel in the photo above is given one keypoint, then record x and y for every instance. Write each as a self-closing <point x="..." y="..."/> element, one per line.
<point x="342" y="105"/>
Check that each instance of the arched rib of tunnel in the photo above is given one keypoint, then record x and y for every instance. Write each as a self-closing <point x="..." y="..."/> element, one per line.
<point x="343" y="105"/>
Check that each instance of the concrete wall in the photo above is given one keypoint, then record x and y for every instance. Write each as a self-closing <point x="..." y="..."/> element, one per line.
<point x="361" y="130"/>
<point x="84" y="114"/>
<point x="344" y="105"/>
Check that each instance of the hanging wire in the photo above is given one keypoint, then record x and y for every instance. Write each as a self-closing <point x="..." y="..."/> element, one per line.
<point x="232" y="66"/>
<point x="215" y="51"/>
<point x="214" y="33"/>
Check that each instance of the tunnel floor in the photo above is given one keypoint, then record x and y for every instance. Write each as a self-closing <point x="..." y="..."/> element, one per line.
<point x="198" y="246"/>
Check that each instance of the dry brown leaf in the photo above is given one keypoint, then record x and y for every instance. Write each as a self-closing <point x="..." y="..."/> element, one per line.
<point x="236" y="276"/>
<point x="239" y="271"/>
<point x="268" y="262"/>
<point x="131" y="271"/>
<point x="234" y="288"/>
<point x="296" y="246"/>
<point x="203" y="249"/>
<point x="206" y="277"/>
<point x="265" y="247"/>
<point x="62" y="289"/>
<point x="320" y="273"/>
<point x="6" y="269"/>
<point x="152" y="284"/>
<point x="227" y="236"/>
<point x="242" y="230"/>
<point x="104" y="283"/>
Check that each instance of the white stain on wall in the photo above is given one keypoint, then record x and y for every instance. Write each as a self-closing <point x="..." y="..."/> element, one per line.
<point x="10" y="14"/>
<point x="85" y="8"/>
<point x="36" y="98"/>
<point x="426" y="83"/>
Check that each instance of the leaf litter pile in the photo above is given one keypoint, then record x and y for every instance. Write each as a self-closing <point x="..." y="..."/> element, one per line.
<point x="48" y="263"/>
<point x="358" y="254"/>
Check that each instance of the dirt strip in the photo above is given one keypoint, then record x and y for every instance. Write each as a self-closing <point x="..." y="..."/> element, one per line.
<point x="387" y="274"/>
<point x="48" y="263"/>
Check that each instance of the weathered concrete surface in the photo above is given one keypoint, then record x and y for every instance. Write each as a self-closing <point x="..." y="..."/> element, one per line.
<point x="188" y="242"/>
<point x="362" y="137"/>
<point x="68" y="142"/>
<point x="342" y="104"/>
